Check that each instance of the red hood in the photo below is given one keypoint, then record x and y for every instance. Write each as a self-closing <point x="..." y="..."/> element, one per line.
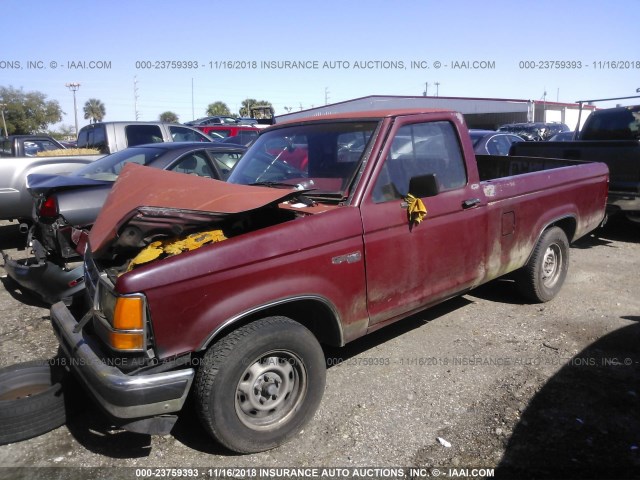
<point x="154" y="192"/>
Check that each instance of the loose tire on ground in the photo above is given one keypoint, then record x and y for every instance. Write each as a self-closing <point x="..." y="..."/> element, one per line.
<point x="260" y="384"/>
<point x="31" y="400"/>
<point x="542" y="277"/>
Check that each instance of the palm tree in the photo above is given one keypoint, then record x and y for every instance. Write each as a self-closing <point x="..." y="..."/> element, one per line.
<point x="94" y="110"/>
<point x="218" y="108"/>
<point x="168" y="116"/>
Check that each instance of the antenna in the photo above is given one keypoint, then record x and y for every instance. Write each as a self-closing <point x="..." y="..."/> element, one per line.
<point x="135" y="97"/>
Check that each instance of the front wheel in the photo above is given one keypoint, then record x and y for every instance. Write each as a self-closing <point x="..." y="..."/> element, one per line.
<point x="542" y="277"/>
<point x="260" y="384"/>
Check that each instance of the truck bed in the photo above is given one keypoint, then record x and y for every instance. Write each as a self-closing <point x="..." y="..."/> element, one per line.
<point x="621" y="156"/>
<point x="491" y="167"/>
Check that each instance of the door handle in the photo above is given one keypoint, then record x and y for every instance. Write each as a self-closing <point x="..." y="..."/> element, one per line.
<point x="472" y="202"/>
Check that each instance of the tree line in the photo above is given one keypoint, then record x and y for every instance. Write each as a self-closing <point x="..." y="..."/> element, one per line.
<point x="26" y="113"/>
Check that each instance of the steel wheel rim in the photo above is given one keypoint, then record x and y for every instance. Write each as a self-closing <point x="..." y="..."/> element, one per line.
<point x="270" y="390"/>
<point x="551" y="265"/>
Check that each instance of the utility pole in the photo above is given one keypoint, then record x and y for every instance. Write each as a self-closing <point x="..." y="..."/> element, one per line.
<point x="437" y="88"/>
<point x="74" y="88"/>
<point x="426" y="89"/>
<point x="4" y="123"/>
<point x="193" y="110"/>
<point x="135" y="97"/>
<point x="326" y="95"/>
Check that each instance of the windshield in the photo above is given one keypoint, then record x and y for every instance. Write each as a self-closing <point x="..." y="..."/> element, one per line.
<point x="323" y="158"/>
<point x="108" y="168"/>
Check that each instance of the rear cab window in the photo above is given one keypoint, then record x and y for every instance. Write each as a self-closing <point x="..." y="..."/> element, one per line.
<point x="141" y="134"/>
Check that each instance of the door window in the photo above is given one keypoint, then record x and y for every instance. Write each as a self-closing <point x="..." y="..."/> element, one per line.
<point x="420" y="149"/>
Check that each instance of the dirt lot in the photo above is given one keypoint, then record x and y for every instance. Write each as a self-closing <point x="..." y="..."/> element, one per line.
<point x="544" y="391"/>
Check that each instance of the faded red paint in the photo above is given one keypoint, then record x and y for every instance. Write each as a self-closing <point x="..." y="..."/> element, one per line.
<point x="396" y="270"/>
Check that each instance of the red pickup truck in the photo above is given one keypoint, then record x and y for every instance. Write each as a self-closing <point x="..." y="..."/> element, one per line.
<point x="228" y="290"/>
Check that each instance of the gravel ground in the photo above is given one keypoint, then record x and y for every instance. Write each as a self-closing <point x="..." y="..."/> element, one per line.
<point x="533" y="391"/>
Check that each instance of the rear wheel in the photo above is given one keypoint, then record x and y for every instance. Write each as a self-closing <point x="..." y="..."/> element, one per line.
<point x="259" y="385"/>
<point x="542" y="277"/>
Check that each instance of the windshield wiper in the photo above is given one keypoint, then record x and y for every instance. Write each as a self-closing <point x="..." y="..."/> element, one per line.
<point x="274" y="184"/>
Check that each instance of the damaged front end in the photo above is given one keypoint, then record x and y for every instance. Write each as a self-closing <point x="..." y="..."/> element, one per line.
<point x="149" y="215"/>
<point x="171" y="213"/>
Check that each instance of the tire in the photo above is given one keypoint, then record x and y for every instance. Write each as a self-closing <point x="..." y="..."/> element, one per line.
<point x="260" y="384"/>
<point x="542" y="277"/>
<point x="31" y="400"/>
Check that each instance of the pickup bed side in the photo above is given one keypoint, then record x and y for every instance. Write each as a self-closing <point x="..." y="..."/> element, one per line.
<point x="244" y="318"/>
<point x="621" y="156"/>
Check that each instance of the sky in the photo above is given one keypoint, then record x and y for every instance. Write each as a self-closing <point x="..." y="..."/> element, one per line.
<point x="146" y="57"/>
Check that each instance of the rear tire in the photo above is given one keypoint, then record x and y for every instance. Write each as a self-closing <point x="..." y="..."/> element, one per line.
<point x="31" y="400"/>
<point x="542" y="277"/>
<point x="259" y="385"/>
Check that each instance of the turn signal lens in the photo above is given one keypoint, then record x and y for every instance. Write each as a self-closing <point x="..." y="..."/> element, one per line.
<point x="128" y="314"/>
<point x="127" y="341"/>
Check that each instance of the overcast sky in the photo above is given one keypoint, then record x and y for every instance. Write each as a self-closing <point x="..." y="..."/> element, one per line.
<point x="302" y="54"/>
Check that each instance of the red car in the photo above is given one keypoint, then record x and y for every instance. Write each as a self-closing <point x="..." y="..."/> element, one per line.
<point x="245" y="133"/>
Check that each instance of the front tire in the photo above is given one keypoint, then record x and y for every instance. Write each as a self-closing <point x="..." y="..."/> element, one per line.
<point x="542" y="277"/>
<point x="260" y="384"/>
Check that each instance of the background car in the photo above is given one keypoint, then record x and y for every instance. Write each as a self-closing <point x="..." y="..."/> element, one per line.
<point x="534" y="131"/>
<point x="489" y="142"/>
<point x="63" y="202"/>
<point x="213" y="120"/>
<point x="245" y="134"/>
<point x="562" y="137"/>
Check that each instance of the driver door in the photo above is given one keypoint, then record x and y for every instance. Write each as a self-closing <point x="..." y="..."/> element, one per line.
<point x="411" y="266"/>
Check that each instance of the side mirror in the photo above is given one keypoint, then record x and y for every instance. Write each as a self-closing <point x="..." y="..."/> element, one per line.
<point x="424" y="186"/>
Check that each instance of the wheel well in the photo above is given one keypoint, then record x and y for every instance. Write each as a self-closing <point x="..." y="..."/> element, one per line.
<point x="314" y="314"/>
<point x="567" y="224"/>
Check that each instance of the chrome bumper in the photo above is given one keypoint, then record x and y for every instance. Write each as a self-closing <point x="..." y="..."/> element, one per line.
<point x="121" y="395"/>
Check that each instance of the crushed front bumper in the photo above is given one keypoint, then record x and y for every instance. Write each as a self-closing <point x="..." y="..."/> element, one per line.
<point x="122" y="396"/>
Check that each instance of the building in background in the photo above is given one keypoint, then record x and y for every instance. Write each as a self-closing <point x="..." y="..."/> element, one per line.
<point x="486" y="113"/>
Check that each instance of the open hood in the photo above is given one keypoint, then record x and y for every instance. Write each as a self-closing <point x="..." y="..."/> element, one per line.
<point x="157" y="199"/>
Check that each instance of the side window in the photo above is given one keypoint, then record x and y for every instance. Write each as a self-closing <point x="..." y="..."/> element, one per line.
<point x="225" y="162"/>
<point x="181" y="134"/>
<point x="100" y="139"/>
<point x="45" y="145"/>
<point x="5" y="148"/>
<point x="141" y="134"/>
<point x="94" y="137"/>
<point x="420" y="149"/>
<point x="194" y="163"/>
<point x="499" y="145"/>
<point x="83" y="138"/>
